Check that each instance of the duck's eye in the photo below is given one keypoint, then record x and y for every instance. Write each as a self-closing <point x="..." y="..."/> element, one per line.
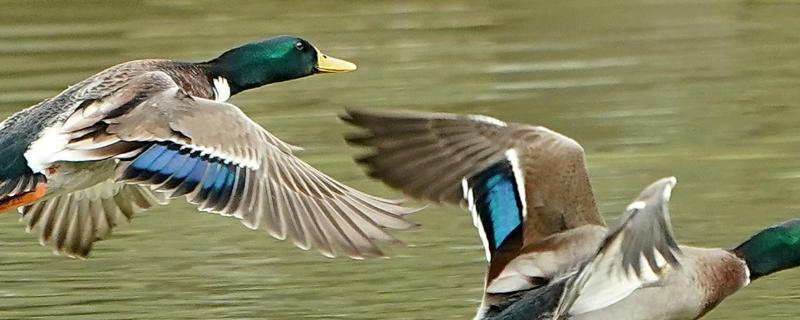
<point x="299" y="46"/>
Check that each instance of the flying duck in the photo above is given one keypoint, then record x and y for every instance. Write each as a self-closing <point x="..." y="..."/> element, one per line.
<point x="529" y="192"/>
<point x="142" y="132"/>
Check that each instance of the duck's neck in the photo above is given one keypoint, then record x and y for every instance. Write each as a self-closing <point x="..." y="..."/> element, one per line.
<point x="242" y="73"/>
<point x="773" y="249"/>
<point x="233" y="81"/>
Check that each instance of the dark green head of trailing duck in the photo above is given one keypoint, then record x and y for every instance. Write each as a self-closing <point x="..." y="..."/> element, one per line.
<point x="773" y="249"/>
<point x="276" y="59"/>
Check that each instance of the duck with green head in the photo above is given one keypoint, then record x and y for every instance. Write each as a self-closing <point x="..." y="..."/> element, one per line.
<point x="529" y="193"/>
<point x="278" y="59"/>
<point x="142" y="132"/>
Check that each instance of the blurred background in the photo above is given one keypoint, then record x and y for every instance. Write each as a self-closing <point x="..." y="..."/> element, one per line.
<point x="706" y="91"/>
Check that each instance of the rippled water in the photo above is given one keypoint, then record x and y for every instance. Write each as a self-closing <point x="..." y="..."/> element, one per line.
<point x="704" y="91"/>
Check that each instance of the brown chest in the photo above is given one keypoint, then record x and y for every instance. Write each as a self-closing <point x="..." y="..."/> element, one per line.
<point x="720" y="278"/>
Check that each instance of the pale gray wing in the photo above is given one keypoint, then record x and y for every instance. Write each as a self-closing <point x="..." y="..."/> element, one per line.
<point x="71" y="223"/>
<point x="638" y="251"/>
<point x="213" y="154"/>
<point x="426" y="155"/>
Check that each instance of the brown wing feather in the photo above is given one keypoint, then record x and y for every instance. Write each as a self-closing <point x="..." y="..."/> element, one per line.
<point x="426" y="155"/>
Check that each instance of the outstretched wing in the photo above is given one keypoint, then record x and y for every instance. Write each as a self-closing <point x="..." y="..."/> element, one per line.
<point x="213" y="154"/>
<point x="426" y="155"/>
<point x="71" y="223"/>
<point x="638" y="251"/>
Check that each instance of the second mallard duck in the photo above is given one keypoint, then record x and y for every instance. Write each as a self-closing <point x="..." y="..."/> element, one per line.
<point x="639" y="251"/>
<point x="529" y="191"/>
<point x="144" y="131"/>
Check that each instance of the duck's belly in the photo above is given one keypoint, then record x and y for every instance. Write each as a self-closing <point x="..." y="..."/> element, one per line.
<point x="66" y="177"/>
<point x="648" y="304"/>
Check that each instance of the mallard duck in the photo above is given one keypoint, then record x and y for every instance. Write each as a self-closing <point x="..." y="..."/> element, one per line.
<point x="142" y="132"/>
<point x="637" y="252"/>
<point x="540" y="218"/>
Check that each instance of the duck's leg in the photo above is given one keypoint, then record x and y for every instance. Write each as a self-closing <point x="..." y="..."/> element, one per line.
<point x="24" y="198"/>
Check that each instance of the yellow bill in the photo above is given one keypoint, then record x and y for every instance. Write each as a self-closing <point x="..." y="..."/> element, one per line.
<point x="328" y="64"/>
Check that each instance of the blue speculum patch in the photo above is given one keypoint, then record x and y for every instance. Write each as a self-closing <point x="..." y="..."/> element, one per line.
<point x="497" y="202"/>
<point x="184" y="171"/>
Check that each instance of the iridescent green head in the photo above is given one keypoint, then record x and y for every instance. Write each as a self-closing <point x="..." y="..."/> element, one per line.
<point x="275" y="59"/>
<point x="773" y="249"/>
